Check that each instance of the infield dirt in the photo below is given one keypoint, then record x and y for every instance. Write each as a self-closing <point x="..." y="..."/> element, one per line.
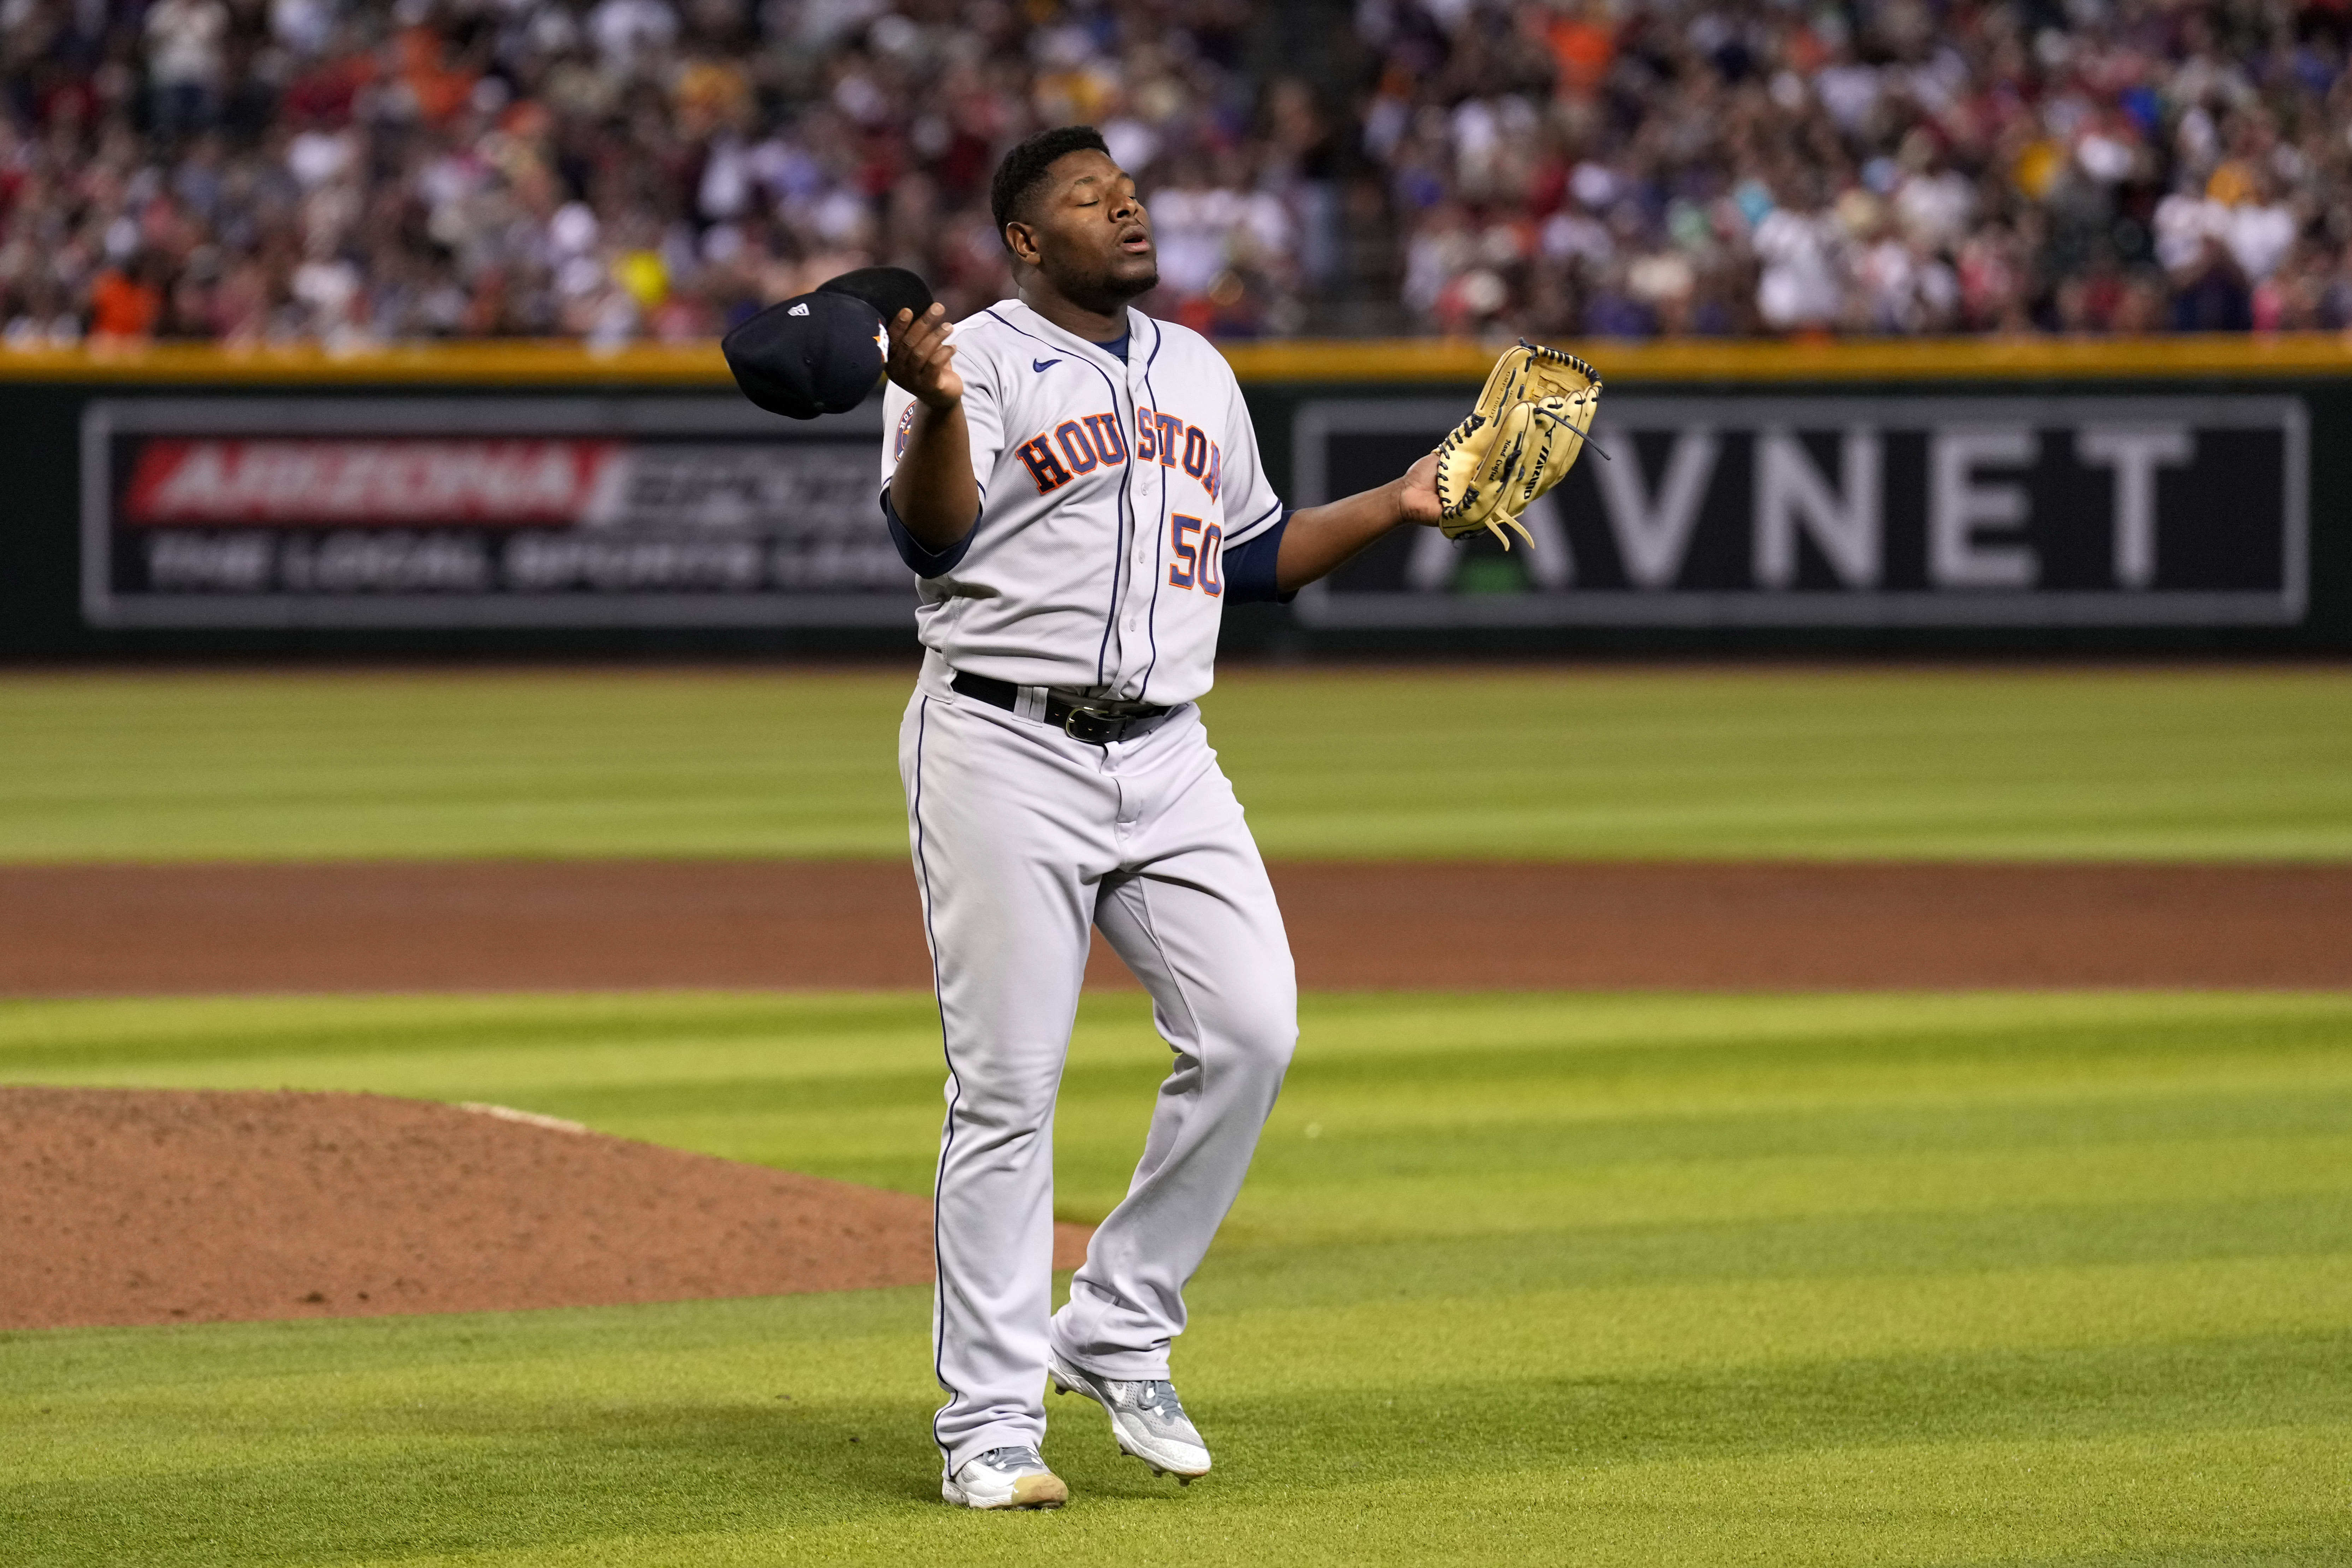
<point x="97" y="930"/>
<point x="122" y="1206"/>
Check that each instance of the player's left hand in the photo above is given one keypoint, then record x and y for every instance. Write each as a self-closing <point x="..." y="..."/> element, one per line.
<point x="1417" y="492"/>
<point x="920" y="358"/>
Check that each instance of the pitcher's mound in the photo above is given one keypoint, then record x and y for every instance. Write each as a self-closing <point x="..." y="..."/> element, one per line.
<point x="120" y="1206"/>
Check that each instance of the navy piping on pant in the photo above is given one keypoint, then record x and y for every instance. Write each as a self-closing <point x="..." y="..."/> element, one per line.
<point x="955" y="1093"/>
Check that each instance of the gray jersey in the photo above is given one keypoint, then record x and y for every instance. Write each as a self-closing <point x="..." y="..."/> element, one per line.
<point x="1110" y="493"/>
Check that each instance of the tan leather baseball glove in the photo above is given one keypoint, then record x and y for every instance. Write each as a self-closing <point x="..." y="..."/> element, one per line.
<point x="1526" y="432"/>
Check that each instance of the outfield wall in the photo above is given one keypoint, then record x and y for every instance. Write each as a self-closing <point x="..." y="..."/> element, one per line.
<point x="2161" y="495"/>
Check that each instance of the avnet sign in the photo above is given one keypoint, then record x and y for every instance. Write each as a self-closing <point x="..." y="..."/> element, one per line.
<point x="1851" y="511"/>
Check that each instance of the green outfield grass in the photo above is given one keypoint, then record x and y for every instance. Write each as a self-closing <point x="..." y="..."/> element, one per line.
<point x="1534" y="1278"/>
<point x="2147" y="763"/>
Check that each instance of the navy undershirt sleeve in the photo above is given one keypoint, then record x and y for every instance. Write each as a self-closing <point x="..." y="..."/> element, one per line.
<point x="1250" y="577"/>
<point x="921" y="560"/>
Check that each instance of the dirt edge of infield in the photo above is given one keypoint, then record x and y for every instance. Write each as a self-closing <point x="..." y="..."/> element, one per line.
<point x="490" y="925"/>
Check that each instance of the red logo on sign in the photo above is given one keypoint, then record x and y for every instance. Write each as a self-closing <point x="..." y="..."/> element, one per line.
<point x="338" y="481"/>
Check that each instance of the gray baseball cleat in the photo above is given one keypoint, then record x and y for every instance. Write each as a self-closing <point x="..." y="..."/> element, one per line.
<point x="1147" y="1419"/>
<point x="1005" y="1478"/>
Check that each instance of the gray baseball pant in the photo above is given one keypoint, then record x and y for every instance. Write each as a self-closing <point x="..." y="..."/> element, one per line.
<point x="1023" y="838"/>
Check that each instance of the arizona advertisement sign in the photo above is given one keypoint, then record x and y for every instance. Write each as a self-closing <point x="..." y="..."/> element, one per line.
<point x="1843" y="511"/>
<point x="507" y="511"/>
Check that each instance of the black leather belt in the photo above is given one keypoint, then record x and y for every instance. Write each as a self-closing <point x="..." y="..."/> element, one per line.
<point x="1096" y="726"/>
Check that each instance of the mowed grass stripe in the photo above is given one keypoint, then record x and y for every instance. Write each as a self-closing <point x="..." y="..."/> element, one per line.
<point x="1606" y="1280"/>
<point x="2181" y="763"/>
<point x="1498" y="1103"/>
<point x="2092" y="1235"/>
<point x="452" y="1380"/>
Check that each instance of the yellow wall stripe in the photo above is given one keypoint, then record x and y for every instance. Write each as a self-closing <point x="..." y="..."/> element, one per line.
<point x="1871" y="359"/>
<point x="2300" y="354"/>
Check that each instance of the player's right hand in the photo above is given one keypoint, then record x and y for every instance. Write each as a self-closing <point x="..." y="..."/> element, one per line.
<point x="921" y="358"/>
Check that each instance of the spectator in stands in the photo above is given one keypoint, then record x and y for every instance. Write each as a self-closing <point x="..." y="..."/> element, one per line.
<point x="185" y="41"/>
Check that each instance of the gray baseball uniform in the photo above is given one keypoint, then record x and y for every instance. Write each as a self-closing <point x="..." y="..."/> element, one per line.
<point x="1122" y="504"/>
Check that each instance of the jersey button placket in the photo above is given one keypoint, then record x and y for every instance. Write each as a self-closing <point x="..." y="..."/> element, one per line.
<point x="1139" y="565"/>
<point x="1146" y="558"/>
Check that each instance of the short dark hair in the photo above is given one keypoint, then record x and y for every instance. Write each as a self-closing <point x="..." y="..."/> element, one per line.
<point x="1024" y="169"/>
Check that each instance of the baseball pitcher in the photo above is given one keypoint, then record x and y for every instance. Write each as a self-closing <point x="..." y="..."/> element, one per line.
<point x="1077" y="488"/>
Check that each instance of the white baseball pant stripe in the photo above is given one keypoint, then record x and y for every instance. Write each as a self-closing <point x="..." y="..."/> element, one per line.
<point x="1023" y="838"/>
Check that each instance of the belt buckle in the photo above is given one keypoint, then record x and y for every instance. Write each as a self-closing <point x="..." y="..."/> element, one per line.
<point x="1112" y="725"/>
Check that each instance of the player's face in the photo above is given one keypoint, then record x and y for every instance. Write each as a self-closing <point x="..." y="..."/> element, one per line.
<point x="1090" y="234"/>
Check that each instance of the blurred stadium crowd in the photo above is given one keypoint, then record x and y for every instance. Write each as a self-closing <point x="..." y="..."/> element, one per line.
<point x="258" y="170"/>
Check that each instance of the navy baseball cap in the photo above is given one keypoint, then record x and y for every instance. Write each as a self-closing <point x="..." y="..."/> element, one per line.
<point x="821" y="352"/>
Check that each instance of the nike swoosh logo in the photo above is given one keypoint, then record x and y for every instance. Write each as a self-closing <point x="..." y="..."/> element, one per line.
<point x="1043" y="363"/>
